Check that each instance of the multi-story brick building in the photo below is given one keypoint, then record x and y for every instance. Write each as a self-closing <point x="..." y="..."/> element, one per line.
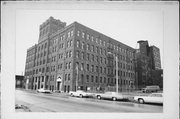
<point x="148" y="65"/>
<point x="156" y="60"/>
<point x="75" y="56"/>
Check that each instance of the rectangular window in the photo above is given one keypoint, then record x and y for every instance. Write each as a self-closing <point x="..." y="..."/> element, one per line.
<point x="77" y="44"/>
<point x="65" y="77"/>
<point x="105" y="70"/>
<point x="92" y="68"/>
<point x="96" y="79"/>
<point x="82" y="66"/>
<point x="87" y="36"/>
<point x="100" y="79"/>
<point x="72" y="33"/>
<point x="69" y="34"/>
<point x="77" y="54"/>
<point x="92" y="78"/>
<point x="87" y="67"/>
<point x="87" y="77"/>
<point x="70" y="53"/>
<point x="82" y="55"/>
<point x="83" y="34"/>
<point x="92" y="57"/>
<point x="69" y="77"/>
<point x="87" y="56"/>
<point x="92" y="38"/>
<point x="69" y="65"/>
<point x="78" y="33"/>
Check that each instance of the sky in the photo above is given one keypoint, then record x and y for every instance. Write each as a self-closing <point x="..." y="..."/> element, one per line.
<point x="126" y="26"/>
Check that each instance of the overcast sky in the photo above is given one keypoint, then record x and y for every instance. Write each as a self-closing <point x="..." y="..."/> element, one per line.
<point x="125" y="26"/>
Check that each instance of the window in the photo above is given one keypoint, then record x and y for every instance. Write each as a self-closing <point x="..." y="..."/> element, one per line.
<point x="87" y="36"/>
<point x="92" y="78"/>
<point x="77" y="44"/>
<point x="72" y="33"/>
<point x="88" y="47"/>
<point x="92" y="68"/>
<point x="69" y="65"/>
<point x="77" y="54"/>
<point x="104" y="79"/>
<point x="70" y="53"/>
<point x="65" y="77"/>
<point x="100" y="79"/>
<point x="69" y="77"/>
<point x="97" y="40"/>
<point x="83" y="34"/>
<point x="100" y="59"/>
<point x="87" y="56"/>
<point x="92" y="57"/>
<point x="92" y="48"/>
<point x="69" y="34"/>
<point x="82" y="66"/>
<point x="70" y="43"/>
<point x="105" y="70"/>
<point x="96" y="68"/>
<point x="82" y="77"/>
<point x="82" y="55"/>
<point x="67" y="53"/>
<point x="100" y="69"/>
<point x="104" y="60"/>
<point x="96" y="49"/>
<point x="87" y="78"/>
<point x="97" y="59"/>
<point x="82" y="45"/>
<point x="92" y="38"/>
<point x="87" y="67"/>
<point x="78" y="33"/>
<point x="66" y="66"/>
<point x="96" y="79"/>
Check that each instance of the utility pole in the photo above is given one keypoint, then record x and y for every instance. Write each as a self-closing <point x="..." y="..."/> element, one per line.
<point x="116" y="74"/>
<point x="77" y="77"/>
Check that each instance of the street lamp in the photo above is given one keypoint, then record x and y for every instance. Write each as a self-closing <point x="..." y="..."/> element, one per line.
<point x="116" y="71"/>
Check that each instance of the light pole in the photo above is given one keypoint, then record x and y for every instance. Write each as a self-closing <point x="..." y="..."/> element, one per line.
<point x="116" y="74"/>
<point x="116" y="71"/>
<point x="77" y="77"/>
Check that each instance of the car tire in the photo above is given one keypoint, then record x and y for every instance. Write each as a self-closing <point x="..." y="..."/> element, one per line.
<point x="81" y="96"/>
<point x="99" y="97"/>
<point x="141" y="101"/>
<point x="114" y="98"/>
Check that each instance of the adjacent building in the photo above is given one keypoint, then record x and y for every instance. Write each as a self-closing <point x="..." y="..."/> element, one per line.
<point x="148" y="66"/>
<point x="77" y="57"/>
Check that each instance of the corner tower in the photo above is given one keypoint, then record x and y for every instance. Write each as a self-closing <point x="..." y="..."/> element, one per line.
<point x="50" y="26"/>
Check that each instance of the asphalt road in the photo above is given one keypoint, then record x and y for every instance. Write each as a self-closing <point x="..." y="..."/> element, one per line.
<point x="39" y="102"/>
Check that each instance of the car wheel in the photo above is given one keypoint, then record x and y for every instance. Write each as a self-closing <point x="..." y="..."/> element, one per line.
<point x="99" y="97"/>
<point x="81" y="96"/>
<point x="141" y="100"/>
<point x="114" y="98"/>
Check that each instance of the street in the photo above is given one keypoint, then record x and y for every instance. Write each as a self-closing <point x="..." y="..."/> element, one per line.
<point x="39" y="102"/>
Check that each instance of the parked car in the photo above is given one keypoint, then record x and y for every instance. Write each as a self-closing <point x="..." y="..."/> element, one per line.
<point x="151" y="98"/>
<point x="43" y="91"/>
<point x="110" y="95"/>
<point x="80" y="93"/>
<point x="150" y="89"/>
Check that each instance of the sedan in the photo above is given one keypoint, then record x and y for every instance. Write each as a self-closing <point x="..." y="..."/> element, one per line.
<point x="80" y="93"/>
<point x="151" y="98"/>
<point x="110" y="95"/>
<point x="43" y="91"/>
